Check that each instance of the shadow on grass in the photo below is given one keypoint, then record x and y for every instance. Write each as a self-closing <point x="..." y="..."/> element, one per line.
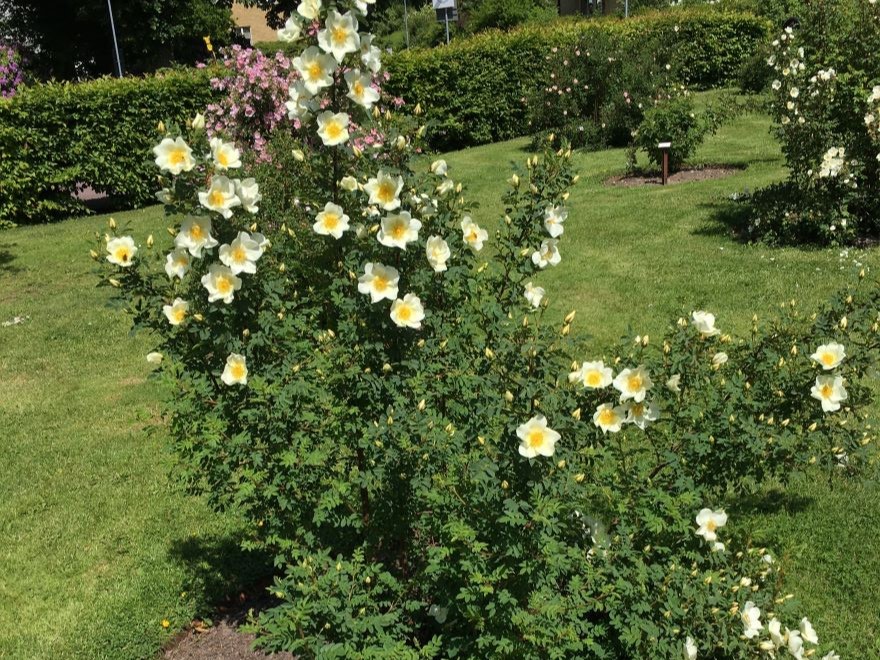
<point x="6" y="259"/>
<point x="220" y="570"/>
<point x="772" y="502"/>
<point x="726" y="218"/>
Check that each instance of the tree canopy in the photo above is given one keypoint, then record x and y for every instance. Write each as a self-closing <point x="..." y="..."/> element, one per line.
<point x="72" y="39"/>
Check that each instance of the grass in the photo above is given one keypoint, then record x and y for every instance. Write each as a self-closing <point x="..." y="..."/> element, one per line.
<point x="99" y="546"/>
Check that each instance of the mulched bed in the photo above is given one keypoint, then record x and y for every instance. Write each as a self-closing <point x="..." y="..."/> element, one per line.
<point x="684" y="176"/>
<point x="221" y="641"/>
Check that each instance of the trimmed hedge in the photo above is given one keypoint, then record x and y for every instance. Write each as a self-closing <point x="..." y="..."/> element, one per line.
<point x="100" y="133"/>
<point x="475" y="89"/>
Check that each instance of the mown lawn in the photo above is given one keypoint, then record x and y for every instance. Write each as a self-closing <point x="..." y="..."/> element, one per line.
<point x="100" y="547"/>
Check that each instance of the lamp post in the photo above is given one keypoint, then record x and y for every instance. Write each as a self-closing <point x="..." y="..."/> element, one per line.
<point x="405" y="23"/>
<point x="115" y="43"/>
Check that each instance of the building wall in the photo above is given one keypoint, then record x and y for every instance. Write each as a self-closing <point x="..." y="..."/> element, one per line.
<point x="255" y="19"/>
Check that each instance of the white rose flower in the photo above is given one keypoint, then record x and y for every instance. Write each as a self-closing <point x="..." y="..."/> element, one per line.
<point x="242" y="254"/>
<point x="472" y="234"/>
<point x="592" y="375"/>
<point x="248" y="193"/>
<point x="830" y="391"/>
<point x="708" y="521"/>
<point x="174" y="156"/>
<point x="225" y="155"/>
<point x="333" y="128"/>
<point x="370" y="55"/>
<point x="609" y="418"/>
<point x="221" y="283"/>
<point x="830" y="355"/>
<point x="300" y="104"/>
<point x="690" y="649"/>
<point x="332" y="221"/>
<point x="547" y="254"/>
<point x="348" y="183"/>
<point x="220" y="196"/>
<point x="536" y="439"/>
<point x="438" y="253"/>
<point x="439" y="167"/>
<point x="154" y="357"/>
<point x="704" y="322"/>
<point x="398" y="229"/>
<point x="831" y="655"/>
<point x="235" y="372"/>
<point x="177" y="263"/>
<point x="291" y="31"/>
<point x="774" y="628"/>
<point x="554" y="216"/>
<point x="408" y="313"/>
<point x="176" y="312"/>
<point x="360" y="89"/>
<point x="445" y="187"/>
<point x="309" y="9"/>
<point x="642" y="413"/>
<point x="198" y="122"/>
<point x="340" y="35"/>
<point x="195" y="236"/>
<point x="808" y="632"/>
<point x="315" y="68"/>
<point x="534" y="294"/>
<point x="384" y="190"/>
<point x="379" y="282"/>
<point x="751" y="619"/>
<point x="719" y="359"/>
<point x="633" y="384"/>
<point x="673" y="384"/>
<point x="795" y="644"/>
<point x="121" y="251"/>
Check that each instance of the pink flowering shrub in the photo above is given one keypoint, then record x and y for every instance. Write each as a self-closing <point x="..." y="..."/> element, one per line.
<point x="252" y="97"/>
<point x="11" y="73"/>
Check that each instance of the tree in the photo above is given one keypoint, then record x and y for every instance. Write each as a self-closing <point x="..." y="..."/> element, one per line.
<point x="71" y="39"/>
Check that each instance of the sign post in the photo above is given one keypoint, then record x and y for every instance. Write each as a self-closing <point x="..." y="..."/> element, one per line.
<point x="664" y="147"/>
<point x="445" y="10"/>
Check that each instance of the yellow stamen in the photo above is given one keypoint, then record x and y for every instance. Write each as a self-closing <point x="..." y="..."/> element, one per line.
<point x="536" y="438"/>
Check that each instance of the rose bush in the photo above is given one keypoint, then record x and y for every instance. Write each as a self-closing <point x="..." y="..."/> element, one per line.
<point x="824" y="103"/>
<point x="437" y="467"/>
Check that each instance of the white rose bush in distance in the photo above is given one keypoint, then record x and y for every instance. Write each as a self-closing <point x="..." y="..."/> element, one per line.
<point x="438" y="469"/>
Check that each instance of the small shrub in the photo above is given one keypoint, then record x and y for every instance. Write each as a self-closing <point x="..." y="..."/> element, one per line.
<point x="673" y="119"/>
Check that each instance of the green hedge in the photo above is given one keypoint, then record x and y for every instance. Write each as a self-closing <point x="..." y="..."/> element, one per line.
<point x="99" y="133"/>
<point x="474" y="89"/>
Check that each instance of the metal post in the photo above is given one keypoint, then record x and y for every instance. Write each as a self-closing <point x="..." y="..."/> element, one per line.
<point x="115" y="43"/>
<point x="626" y="8"/>
<point x="447" y="25"/>
<point x="405" y="23"/>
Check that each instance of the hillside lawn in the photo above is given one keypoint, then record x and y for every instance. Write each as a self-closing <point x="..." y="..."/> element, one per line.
<point x="99" y="546"/>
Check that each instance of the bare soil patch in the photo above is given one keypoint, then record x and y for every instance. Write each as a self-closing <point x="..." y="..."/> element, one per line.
<point x="684" y="176"/>
<point x="221" y="641"/>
